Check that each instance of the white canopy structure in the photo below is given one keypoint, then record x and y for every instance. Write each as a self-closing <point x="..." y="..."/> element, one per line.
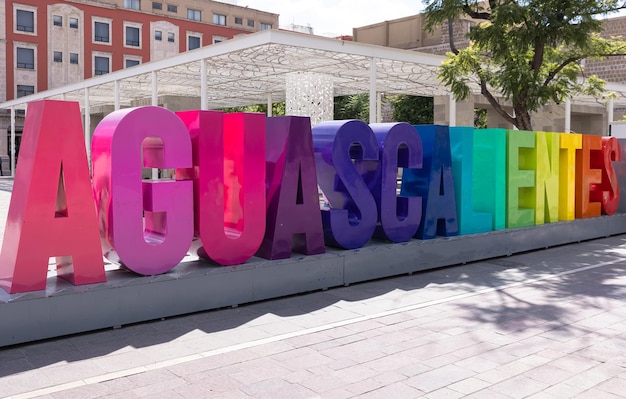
<point x="254" y="69"/>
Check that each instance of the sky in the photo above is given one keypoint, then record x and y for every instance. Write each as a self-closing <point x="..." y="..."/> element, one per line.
<point x="334" y="17"/>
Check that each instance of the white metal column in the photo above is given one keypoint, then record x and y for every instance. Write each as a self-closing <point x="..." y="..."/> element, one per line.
<point x="270" y="103"/>
<point x="452" y="107"/>
<point x="373" y="96"/>
<point x="13" y="141"/>
<point x="568" y="116"/>
<point x="204" y="101"/>
<point x="116" y="94"/>
<point x="610" y="116"/>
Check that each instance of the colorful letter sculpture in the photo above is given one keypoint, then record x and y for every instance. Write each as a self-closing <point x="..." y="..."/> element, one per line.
<point x="399" y="216"/>
<point x="247" y="185"/>
<point x="489" y="186"/>
<point x="51" y="211"/>
<point x="521" y="179"/>
<point x="570" y="144"/>
<point x="351" y="219"/>
<point x="463" y="164"/>
<point x="609" y="188"/>
<point x="588" y="175"/>
<point x="292" y="197"/>
<point x="122" y="198"/>
<point x="547" y="177"/>
<point x="229" y="160"/>
<point x="434" y="183"/>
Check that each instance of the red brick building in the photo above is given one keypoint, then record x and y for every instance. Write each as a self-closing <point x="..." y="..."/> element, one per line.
<point x="51" y="43"/>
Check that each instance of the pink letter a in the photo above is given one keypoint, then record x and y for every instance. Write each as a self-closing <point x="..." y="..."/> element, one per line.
<point x="52" y="210"/>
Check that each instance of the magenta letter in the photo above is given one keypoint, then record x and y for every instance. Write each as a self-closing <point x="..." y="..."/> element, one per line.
<point x="122" y="197"/>
<point x="229" y="176"/>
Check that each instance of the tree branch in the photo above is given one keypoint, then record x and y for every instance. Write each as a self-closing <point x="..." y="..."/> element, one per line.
<point x="451" y="36"/>
<point x="559" y="68"/>
<point x="570" y="60"/>
<point x="495" y="104"/>
<point x="538" y="56"/>
<point x="467" y="9"/>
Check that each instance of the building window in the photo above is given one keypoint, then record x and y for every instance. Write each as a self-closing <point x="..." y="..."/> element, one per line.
<point x="266" y="26"/>
<point x="171" y="8"/>
<point x="158" y="35"/>
<point x="73" y="58"/>
<point x="239" y="21"/>
<point x="193" y="42"/>
<point x="24" y="90"/>
<point x="74" y="23"/>
<point x="132" y="36"/>
<point x="157" y="6"/>
<point x="219" y="19"/>
<point x="251" y="23"/>
<point x="131" y="63"/>
<point x="101" y="32"/>
<point x="25" y="58"/>
<point x="219" y="39"/>
<point x="100" y="65"/>
<point x="25" y="21"/>
<point x="132" y="4"/>
<point x="57" y="20"/>
<point x="171" y="37"/>
<point x="193" y="15"/>
<point x="58" y="56"/>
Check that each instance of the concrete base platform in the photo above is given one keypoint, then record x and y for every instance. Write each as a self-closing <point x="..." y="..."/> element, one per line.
<point x="195" y="286"/>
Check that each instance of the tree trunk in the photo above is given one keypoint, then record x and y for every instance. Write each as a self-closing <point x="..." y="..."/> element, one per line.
<point x="522" y="119"/>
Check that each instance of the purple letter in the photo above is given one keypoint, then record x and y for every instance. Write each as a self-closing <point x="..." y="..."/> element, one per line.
<point x="293" y="206"/>
<point x="351" y="220"/>
<point x="399" y="146"/>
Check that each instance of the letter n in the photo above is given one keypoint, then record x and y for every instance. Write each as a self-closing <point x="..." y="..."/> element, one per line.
<point x="293" y="207"/>
<point x="52" y="210"/>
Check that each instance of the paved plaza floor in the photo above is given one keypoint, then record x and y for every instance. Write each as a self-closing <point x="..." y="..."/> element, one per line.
<point x="543" y="324"/>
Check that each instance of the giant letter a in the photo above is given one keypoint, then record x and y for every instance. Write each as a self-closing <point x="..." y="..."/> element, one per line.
<point x="52" y="210"/>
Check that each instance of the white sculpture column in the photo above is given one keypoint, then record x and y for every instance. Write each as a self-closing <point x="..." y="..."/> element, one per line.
<point x="309" y="94"/>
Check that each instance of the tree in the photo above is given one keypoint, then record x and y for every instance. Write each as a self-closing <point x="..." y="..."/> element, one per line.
<point x="278" y="109"/>
<point x="355" y="106"/>
<point x="415" y="110"/>
<point x="528" y="52"/>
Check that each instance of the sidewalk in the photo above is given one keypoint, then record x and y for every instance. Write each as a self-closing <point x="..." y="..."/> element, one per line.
<point x="544" y="324"/>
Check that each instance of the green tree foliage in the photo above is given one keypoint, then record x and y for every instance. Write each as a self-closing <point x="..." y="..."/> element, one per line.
<point x="529" y="52"/>
<point x="415" y="110"/>
<point x="278" y="109"/>
<point x="356" y="106"/>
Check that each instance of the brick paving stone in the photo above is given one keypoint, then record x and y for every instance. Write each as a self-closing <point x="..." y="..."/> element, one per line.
<point x="439" y="378"/>
<point x="519" y="387"/>
<point x="321" y="384"/>
<point x="356" y="373"/>
<point x="277" y="388"/>
<point x="615" y="385"/>
<point x="469" y="385"/>
<point x="396" y="390"/>
<point x="549" y="374"/>
<point x="444" y="393"/>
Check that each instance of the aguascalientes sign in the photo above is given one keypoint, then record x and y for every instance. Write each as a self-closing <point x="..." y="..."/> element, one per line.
<point x="247" y="185"/>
